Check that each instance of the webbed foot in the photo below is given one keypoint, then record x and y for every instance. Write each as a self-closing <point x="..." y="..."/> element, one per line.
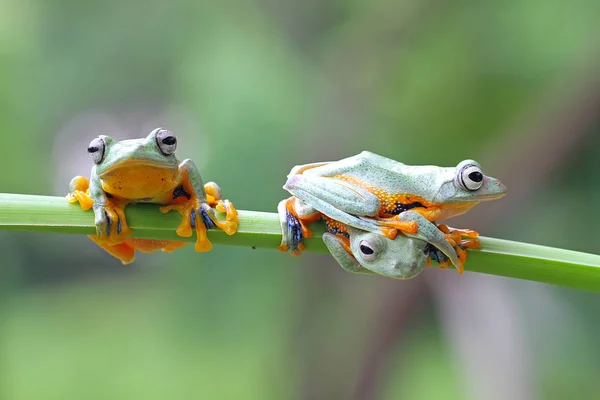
<point x="123" y="251"/>
<point x="111" y="223"/>
<point x="195" y="215"/>
<point x="291" y="229"/>
<point x="213" y="195"/>
<point x="80" y="193"/>
<point x="390" y="226"/>
<point x="460" y="240"/>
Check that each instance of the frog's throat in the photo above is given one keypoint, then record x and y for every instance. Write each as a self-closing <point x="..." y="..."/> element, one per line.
<point x="135" y="164"/>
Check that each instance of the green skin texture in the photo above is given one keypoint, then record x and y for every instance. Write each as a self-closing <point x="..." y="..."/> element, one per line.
<point x="147" y="149"/>
<point x="352" y="205"/>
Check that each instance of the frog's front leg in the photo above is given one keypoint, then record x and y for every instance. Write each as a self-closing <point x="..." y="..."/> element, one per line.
<point x="339" y="247"/>
<point x="109" y="213"/>
<point x="189" y="199"/>
<point x="431" y="234"/>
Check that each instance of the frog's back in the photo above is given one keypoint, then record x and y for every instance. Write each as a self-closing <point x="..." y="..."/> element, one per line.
<point x="395" y="178"/>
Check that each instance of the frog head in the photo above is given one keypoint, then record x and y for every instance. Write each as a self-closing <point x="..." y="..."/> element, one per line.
<point x="401" y="258"/>
<point x="467" y="184"/>
<point x="136" y="168"/>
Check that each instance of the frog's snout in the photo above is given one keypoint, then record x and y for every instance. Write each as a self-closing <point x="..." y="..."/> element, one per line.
<point x="291" y="183"/>
<point x="496" y="188"/>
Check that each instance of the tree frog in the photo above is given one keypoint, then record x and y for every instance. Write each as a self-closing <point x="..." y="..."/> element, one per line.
<point x="371" y="192"/>
<point x="360" y="251"/>
<point x="147" y="171"/>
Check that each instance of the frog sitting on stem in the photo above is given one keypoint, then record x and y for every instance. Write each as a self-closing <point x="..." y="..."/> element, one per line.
<point x="146" y="171"/>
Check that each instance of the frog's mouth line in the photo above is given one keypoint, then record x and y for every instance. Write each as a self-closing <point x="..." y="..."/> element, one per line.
<point x="137" y="164"/>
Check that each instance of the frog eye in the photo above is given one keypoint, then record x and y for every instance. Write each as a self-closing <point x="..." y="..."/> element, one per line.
<point x="367" y="251"/>
<point x="167" y="142"/>
<point x="471" y="177"/>
<point x="96" y="150"/>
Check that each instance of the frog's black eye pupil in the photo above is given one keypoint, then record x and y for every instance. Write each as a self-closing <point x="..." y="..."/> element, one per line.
<point x="93" y="149"/>
<point x="169" y="140"/>
<point x="476" y="176"/>
<point x="366" y="250"/>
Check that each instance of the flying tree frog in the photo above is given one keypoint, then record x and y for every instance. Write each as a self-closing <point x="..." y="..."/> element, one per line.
<point x="371" y="192"/>
<point x="360" y="251"/>
<point x="147" y="171"/>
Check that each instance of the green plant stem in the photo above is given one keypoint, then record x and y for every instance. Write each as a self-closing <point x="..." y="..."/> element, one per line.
<point x="261" y="230"/>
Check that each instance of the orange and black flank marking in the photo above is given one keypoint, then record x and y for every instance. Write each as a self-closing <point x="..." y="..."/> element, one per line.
<point x="336" y="227"/>
<point x="391" y="203"/>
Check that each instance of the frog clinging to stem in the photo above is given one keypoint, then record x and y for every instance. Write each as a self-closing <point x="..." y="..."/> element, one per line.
<point x="371" y="192"/>
<point x="364" y="252"/>
<point x="146" y="171"/>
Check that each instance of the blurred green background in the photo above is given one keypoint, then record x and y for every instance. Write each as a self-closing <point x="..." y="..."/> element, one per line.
<point x="253" y="88"/>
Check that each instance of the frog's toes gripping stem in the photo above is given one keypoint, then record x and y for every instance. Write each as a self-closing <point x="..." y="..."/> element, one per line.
<point x="199" y="216"/>
<point x="213" y="193"/>
<point x="214" y="199"/>
<point x="80" y="193"/>
<point x="291" y="230"/>
<point x="111" y="223"/>
<point x="436" y="255"/>
<point x="460" y="240"/>
<point x="430" y="233"/>
<point x="302" y="212"/>
<point x="232" y="221"/>
<point x="194" y="214"/>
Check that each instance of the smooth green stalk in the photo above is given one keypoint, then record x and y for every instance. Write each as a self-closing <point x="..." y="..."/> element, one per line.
<point x="261" y="230"/>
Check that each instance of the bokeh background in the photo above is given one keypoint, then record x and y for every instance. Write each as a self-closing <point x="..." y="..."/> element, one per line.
<point x="252" y="88"/>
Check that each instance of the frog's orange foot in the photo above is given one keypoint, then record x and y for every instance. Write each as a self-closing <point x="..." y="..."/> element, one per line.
<point x="79" y="192"/>
<point x="111" y="224"/>
<point x="394" y="222"/>
<point x="213" y="193"/>
<point x="123" y="251"/>
<point x="232" y="221"/>
<point x="80" y="183"/>
<point x="196" y="215"/>
<point x="295" y="235"/>
<point x="152" y="245"/>
<point x="471" y="244"/>
<point x="462" y="232"/>
<point x="291" y="209"/>
<point x="462" y="256"/>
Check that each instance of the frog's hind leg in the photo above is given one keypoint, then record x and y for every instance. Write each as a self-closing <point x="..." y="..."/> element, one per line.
<point x="304" y="213"/>
<point x="291" y="229"/>
<point x="339" y="247"/>
<point x="123" y="251"/>
<point x="334" y="194"/>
